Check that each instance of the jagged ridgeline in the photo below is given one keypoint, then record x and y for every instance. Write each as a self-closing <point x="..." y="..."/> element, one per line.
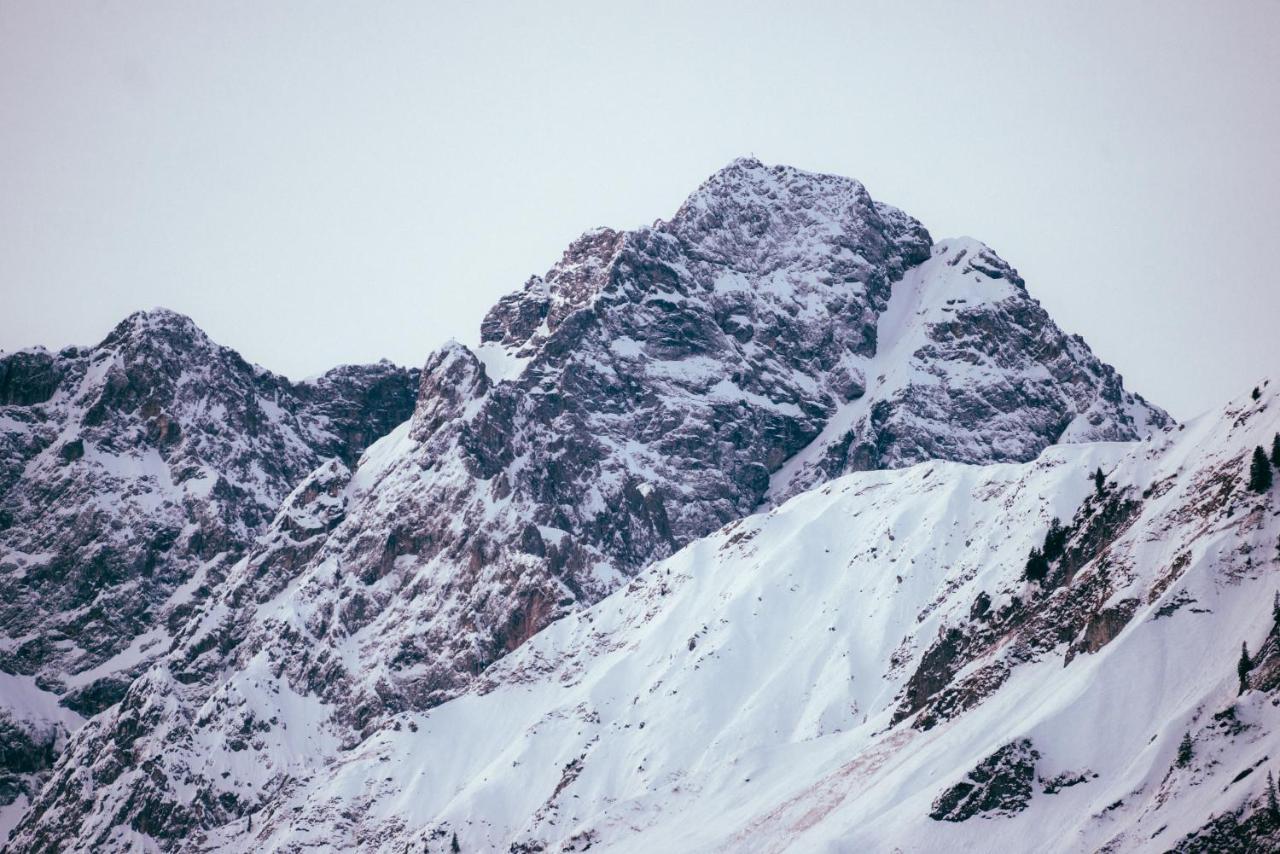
<point x="133" y="474"/>
<point x="781" y="330"/>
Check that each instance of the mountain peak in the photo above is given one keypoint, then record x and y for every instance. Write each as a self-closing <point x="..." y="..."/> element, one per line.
<point x="800" y="228"/>
<point x="145" y="327"/>
<point x="747" y="180"/>
<point x="772" y="217"/>
<point x="752" y="168"/>
<point x="158" y="317"/>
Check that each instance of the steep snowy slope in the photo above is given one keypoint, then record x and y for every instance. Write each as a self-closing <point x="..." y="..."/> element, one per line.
<point x="650" y="388"/>
<point x="132" y="474"/>
<point x="746" y="694"/>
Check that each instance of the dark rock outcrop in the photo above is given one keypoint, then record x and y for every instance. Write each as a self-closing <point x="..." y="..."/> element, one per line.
<point x="1001" y="785"/>
<point x="1070" y="605"/>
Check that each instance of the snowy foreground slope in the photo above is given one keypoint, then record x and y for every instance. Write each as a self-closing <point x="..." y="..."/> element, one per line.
<point x="742" y="694"/>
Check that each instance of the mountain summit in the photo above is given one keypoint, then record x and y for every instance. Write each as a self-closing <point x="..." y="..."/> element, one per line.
<point x="782" y="329"/>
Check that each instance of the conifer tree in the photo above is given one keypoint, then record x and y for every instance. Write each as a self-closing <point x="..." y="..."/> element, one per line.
<point x="1257" y="393"/>
<point x="1099" y="479"/>
<point x="1275" y="614"/>
<point x="1037" y="566"/>
<point x="454" y="846"/>
<point x="1186" y="750"/>
<point x="1054" y="540"/>
<point x="1273" y="805"/>
<point x="1243" y="667"/>
<point x="1275" y="451"/>
<point x="1259" y="471"/>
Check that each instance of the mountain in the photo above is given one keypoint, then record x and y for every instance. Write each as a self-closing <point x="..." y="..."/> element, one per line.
<point x="133" y="474"/>
<point x="782" y="329"/>
<point x="865" y="668"/>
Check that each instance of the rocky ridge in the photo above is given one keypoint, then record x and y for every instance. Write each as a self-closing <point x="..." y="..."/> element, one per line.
<point x="134" y="474"/>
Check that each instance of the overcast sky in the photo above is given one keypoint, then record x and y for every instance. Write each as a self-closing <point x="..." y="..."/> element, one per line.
<point x="317" y="183"/>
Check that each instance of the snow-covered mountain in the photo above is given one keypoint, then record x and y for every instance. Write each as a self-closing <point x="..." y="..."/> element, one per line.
<point x="865" y="668"/>
<point x="132" y="475"/>
<point x="781" y="330"/>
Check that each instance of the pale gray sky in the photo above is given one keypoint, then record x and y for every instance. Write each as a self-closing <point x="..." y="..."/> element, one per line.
<point x="320" y="182"/>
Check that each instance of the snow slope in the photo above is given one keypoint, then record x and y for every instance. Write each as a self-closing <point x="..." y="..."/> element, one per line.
<point x="741" y="695"/>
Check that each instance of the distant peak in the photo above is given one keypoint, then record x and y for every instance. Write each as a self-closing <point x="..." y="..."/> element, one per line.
<point x="964" y="243"/>
<point x="753" y="214"/>
<point x="158" y="317"/>
<point x="164" y="322"/>
<point x="746" y="182"/>
<point x="977" y="257"/>
<point x="747" y="163"/>
<point x="452" y="348"/>
<point x="753" y="168"/>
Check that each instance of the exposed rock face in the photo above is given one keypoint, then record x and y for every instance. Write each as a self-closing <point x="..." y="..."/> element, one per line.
<point x="1249" y="829"/>
<point x="1061" y="608"/>
<point x="970" y="368"/>
<point x="999" y="786"/>
<point x="26" y="751"/>
<point x="134" y="473"/>
<point x="668" y="372"/>
<point x="782" y="328"/>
